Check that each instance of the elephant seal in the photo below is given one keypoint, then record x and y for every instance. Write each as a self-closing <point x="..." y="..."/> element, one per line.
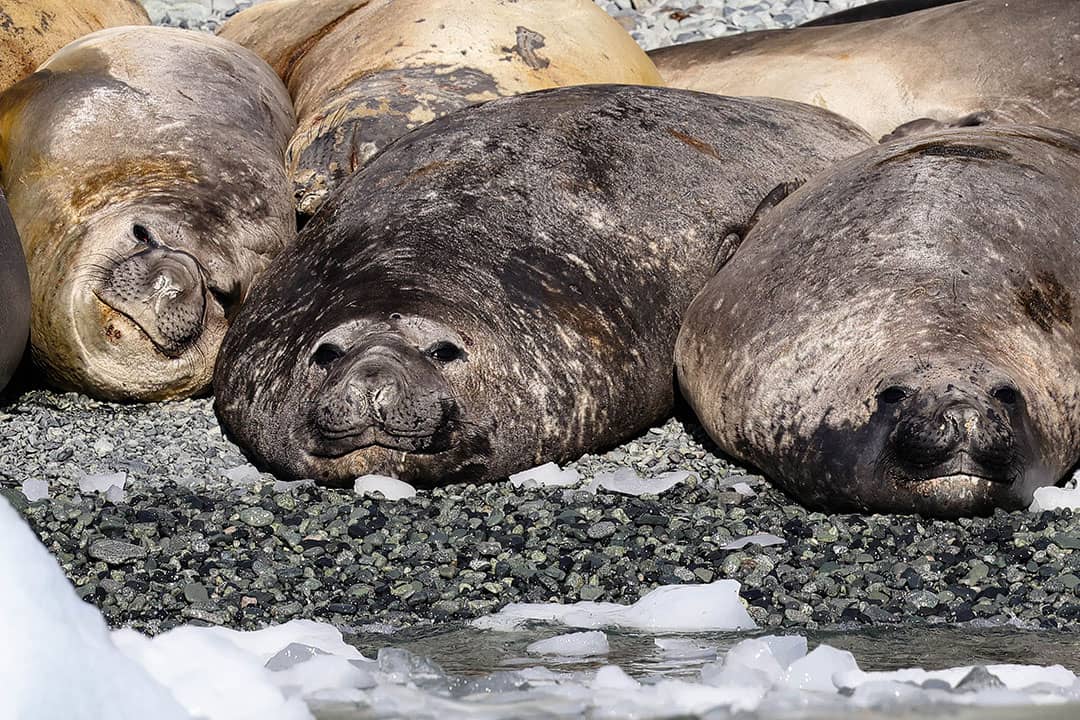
<point x="364" y="72"/>
<point x="876" y="11"/>
<point x="144" y="168"/>
<point x="898" y="335"/>
<point x="14" y="297"/>
<point x="32" y="30"/>
<point x="966" y="63"/>
<point x="503" y="286"/>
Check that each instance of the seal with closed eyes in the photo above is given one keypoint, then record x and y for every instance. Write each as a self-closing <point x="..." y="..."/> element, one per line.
<point x="144" y="167"/>
<point x="900" y="334"/>
<point x="503" y="286"/>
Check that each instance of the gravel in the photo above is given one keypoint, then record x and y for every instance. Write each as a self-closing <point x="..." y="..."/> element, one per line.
<point x="189" y="544"/>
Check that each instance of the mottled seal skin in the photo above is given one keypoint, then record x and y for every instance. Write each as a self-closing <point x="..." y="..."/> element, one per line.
<point x="32" y="30"/>
<point x="14" y="297"/>
<point x="898" y="335"/>
<point x="503" y="286"/>
<point x="876" y="11"/>
<point x="967" y="63"/>
<point x="145" y="171"/>
<point x="363" y="73"/>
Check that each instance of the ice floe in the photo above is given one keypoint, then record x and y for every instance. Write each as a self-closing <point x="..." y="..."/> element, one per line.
<point x="390" y="488"/>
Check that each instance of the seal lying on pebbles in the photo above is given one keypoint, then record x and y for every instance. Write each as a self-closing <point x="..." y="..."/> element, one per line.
<point x="14" y="297"/>
<point x="32" y="30"/>
<point x="503" y="287"/>
<point x="898" y="335"/>
<point x="962" y="64"/>
<point x="363" y="73"/>
<point x="145" y="171"/>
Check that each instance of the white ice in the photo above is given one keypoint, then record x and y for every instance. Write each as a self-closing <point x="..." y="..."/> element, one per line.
<point x="715" y="606"/>
<point x="626" y="481"/>
<point x="102" y="483"/>
<point x="390" y="488"/>
<point x="593" y="642"/>
<point x="35" y="489"/>
<point x="762" y="539"/>
<point x="546" y="475"/>
<point x="1055" y="498"/>
<point x="242" y="475"/>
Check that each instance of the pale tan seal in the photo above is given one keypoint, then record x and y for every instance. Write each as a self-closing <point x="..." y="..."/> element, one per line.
<point x="144" y="168"/>
<point x="965" y="63"/>
<point x="363" y="73"/>
<point x="900" y="334"/>
<point x="32" y="30"/>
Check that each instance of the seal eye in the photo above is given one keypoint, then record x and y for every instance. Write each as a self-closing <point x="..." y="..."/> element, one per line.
<point x="326" y="354"/>
<point x="445" y="352"/>
<point x="1007" y="395"/>
<point x="892" y="395"/>
<point x="143" y="235"/>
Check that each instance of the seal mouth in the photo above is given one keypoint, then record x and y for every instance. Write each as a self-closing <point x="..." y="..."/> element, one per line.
<point x="336" y="445"/>
<point x="173" y="352"/>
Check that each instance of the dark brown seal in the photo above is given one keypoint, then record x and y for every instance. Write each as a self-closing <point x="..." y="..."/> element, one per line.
<point x="899" y="335"/>
<point x="503" y="286"/>
<point x="14" y="297"/>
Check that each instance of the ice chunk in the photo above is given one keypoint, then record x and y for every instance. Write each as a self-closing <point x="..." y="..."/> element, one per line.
<point x="102" y="483"/>
<point x="267" y="643"/>
<point x="391" y="488"/>
<point x="292" y="654"/>
<point x="57" y="658"/>
<point x="627" y="482"/>
<point x="1055" y="498"/>
<point x="762" y="539"/>
<point x="322" y="673"/>
<point x="579" y="644"/>
<point x="243" y="475"/>
<point x="743" y="489"/>
<point x="816" y="670"/>
<point x="546" y="475"/>
<point x="715" y="606"/>
<point x="35" y="489"/>
<point x="612" y="677"/>
<point x="115" y="494"/>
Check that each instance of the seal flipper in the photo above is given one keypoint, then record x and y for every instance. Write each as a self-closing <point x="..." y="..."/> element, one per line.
<point x="734" y="239"/>
<point x="876" y="11"/>
<point x="922" y="126"/>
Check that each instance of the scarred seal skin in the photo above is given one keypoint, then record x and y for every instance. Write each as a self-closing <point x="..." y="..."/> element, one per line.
<point x="144" y="168"/>
<point x="364" y="72"/>
<point x="963" y="64"/>
<point x="32" y="30"/>
<point x="14" y="297"/>
<point x="898" y="335"/>
<point x="503" y="286"/>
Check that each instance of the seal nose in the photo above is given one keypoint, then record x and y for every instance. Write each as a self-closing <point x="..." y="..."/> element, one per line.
<point x="162" y="291"/>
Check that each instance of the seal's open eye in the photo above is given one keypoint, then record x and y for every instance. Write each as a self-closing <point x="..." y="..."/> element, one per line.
<point x="143" y="235"/>
<point x="445" y="351"/>
<point x="892" y="395"/>
<point x="1006" y="394"/>
<point x="326" y="354"/>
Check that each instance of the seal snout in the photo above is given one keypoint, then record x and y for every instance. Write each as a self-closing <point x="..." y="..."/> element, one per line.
<point x="954" y="431"/>
<point x="163" y="292"/>
<point x="383" y="393"/>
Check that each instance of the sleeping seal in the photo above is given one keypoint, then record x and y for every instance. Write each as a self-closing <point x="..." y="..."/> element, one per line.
<point x="876" y="11"/>
<point x="14" y="297"/>
<point x="962" y="64"/>
<point x="364" y="72"/>
<point x="145" y="171"/>
<point x="503" y="286"/>
<point x="898" y="335"/>
<point x="32" y="30"/>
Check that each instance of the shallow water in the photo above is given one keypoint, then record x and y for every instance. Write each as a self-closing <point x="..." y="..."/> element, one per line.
<point x="469" y="657"/>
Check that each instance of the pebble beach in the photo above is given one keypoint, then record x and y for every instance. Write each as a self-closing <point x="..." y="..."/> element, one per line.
<point x="158" y="520"/>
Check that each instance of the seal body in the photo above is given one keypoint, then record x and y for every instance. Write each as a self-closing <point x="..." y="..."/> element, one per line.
<point x="14" y="297"/>
<point x="876" y="11"/>
<point x="32" y="30"/>
<point x="503" y="286"/>
<point x="965" y="63"/>
<point x="144" y="169"/>
<point x="899" y="334"/>
<point x="364" y="72"/>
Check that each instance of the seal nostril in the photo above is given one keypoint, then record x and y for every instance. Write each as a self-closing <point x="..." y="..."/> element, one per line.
<point x="892" y="395"/>
<point x="326" y="354"/>
<point x="395" y="316"/>
<point x="1006" y="395"/>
